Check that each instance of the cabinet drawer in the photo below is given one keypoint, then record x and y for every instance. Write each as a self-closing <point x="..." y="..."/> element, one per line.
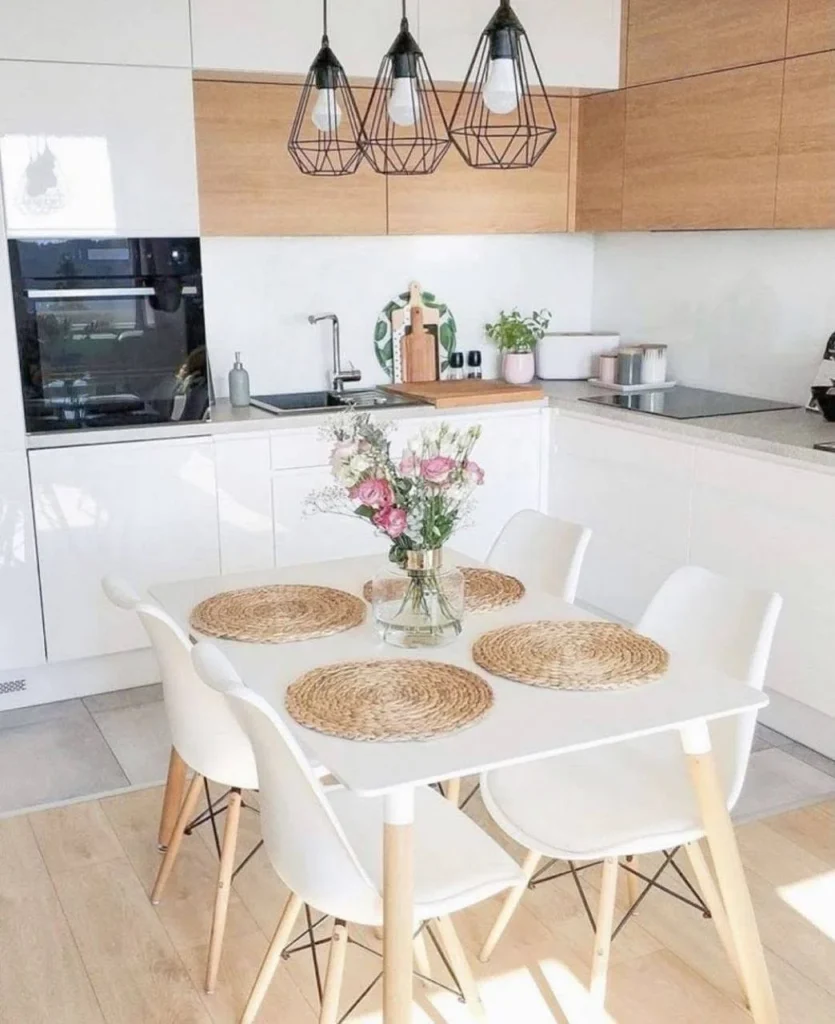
<point x="298" y="449"/>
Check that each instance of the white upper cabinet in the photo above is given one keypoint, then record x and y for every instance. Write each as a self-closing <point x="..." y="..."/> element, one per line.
<point x="575" y="44"/>
<point x="90" y="150"/>
<point x="153" y="32"/>
<point x="282" y="36"/>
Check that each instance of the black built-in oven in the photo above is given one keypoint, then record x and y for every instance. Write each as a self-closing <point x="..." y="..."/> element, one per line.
<point x="110" y="332"/>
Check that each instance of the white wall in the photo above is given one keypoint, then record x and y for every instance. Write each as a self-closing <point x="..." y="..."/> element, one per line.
<point x="746" y="311"/>
<point x="259" y="292"/>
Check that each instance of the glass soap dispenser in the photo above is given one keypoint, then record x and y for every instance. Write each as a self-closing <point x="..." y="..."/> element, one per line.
<point x="238" y="384"/>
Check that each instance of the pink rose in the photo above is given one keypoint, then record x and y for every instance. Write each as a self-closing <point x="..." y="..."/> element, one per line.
<point x="375" y="493"/>
<point x="409" y="464"/>
<point x="391" y="520"/>
<point x="474" y="472"/>
<point x="437" y="470"/>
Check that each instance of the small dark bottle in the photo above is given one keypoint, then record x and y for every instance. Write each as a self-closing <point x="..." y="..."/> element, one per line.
<point x="474" y="364"/>
<point x="455" y="371"/>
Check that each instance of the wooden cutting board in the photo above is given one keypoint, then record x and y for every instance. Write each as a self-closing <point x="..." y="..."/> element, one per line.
<point x="418" y="346"/>
<point x="445" y="394"/>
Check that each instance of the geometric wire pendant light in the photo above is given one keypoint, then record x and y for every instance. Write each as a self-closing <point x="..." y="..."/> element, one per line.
<point x="326" y="137"/>
<point x="502" y="118"/>
<point x="405" y="130"/>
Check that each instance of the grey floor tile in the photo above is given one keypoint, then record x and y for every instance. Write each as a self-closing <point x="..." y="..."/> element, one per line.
<point x="55" y="759"/>
<point x="131" y="698"/>
<point x="64" y="710"/>
<point x="778" y="782"/>
<point x="811" y="757"/>
<point x="140" y="740"/>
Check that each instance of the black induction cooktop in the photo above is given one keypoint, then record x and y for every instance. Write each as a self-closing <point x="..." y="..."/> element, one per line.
<point x="681" y="403"/>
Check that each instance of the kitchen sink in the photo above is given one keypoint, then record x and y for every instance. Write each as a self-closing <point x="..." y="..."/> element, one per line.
<point x="327" y="401"/>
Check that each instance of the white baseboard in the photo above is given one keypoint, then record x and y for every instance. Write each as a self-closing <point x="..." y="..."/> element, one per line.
<point x="68" y="679"/>
<point x="800" y="722"/>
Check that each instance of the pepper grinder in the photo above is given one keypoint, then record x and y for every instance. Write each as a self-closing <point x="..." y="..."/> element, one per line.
<point x="474" y="364"/>
<point x="238" y="384"/>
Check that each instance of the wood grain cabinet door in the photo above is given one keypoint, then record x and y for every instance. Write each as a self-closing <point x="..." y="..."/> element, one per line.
<point x="248" y="184"/>
<point x="601" y="137"/>
<point x="806" y="169"/>
<point x="702" y="152"/>
<point x="458" y="200"/>
<point x="674" y="38"/>
<point x="811" y="27"/>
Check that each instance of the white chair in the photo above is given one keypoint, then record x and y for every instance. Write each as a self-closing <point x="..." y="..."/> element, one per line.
<point x="208" y="739"/>
<point x="332" y="857"/>
<point x="546" y="553"/>
<point x="636" y="797"/>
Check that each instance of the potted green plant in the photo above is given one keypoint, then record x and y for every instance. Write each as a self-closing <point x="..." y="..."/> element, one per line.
<point x="516" y="336"/>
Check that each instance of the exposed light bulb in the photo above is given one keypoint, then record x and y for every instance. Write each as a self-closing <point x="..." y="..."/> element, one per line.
<point x="499" y="94"/>
<point x="404" y="104"/>
<point x="327" y="113"/>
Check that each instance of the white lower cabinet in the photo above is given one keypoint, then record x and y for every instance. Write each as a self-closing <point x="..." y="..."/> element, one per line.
<point x="21" y="627"/>
<point x="244" y="502"/>
<point x="145" y="510"/>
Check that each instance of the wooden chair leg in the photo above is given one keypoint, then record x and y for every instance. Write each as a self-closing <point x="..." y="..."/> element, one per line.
<point x="172" y="800"/>
<point x="422" y="964"/>
<point x="453" y="791"/>
<point x="224" y="885"/>
<point x="460" y="965"/>
<point x="183" y="818"/>
<point x="509" y="906"/>
<point x="633" y="883"/>
<point x="333" y="976"/>
<point x="710" y="894"/>
<point x="603" y="935"/>
<point x="272" y="958"/>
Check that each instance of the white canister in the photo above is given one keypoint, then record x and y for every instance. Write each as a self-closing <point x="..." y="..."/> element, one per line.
<point x="607" y="367"/>
<point x="654" y="365"/>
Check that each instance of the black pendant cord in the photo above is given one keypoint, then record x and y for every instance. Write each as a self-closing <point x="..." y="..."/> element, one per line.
<point x="325" y="21"/>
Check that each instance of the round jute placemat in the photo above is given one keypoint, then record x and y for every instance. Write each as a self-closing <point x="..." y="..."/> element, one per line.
<point x="277" y="614"/>
<point x="571" y="655"/>
<point x="395" y="699"/>
<point x="485" y="590"/>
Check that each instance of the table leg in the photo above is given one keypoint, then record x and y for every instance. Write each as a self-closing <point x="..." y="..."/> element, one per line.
<point x="172" y="800"/>
<point x="398" y="905"/>
<point x="730" y="874"/>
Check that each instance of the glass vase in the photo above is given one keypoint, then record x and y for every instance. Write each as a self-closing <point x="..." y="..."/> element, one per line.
<point x="420" y="604"/>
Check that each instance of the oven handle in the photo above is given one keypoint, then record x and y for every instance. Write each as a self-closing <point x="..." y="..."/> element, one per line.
<point x="97" y="293"/>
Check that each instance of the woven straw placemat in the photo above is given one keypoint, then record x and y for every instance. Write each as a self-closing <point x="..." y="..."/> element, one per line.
<point x="571" y="655"/>
<point x="277" y="614"/>
<point x="484" y="589"/>
<point x="395" y="699"/>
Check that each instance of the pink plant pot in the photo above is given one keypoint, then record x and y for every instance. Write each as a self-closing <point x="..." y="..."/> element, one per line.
<point x="518" y="367"/>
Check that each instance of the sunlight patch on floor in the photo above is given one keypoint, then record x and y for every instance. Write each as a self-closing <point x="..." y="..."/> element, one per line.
<point x="814" y="899"/>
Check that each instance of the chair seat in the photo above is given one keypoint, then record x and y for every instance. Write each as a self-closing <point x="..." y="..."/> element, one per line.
<point x="625" y="798"/>
<point x="456" y="863"/>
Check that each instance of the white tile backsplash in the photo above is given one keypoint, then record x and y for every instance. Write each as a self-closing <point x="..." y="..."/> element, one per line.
<point x="746" y="311"/>
<point x="259" y="292"/>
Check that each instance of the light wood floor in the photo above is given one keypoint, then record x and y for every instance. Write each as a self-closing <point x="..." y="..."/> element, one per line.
<point x="81" y="944"/>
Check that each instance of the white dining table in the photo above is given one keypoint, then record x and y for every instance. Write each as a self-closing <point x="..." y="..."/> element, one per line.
<point x="525" y="723"/>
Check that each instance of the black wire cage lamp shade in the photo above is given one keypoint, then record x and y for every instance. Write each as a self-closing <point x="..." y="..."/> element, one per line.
<point x="326" y="137"/>
<point x="503" y="118"/>
<point x="405" y="130"/>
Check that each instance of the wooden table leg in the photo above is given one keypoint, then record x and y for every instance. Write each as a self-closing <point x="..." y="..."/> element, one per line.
<point x="172" y="801"/>
<point x="730" y="874"/>
<point x="398" y="905"/>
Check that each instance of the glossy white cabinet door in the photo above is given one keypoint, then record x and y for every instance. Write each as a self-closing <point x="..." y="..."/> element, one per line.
<point x="21" y="627"/>
<point x="244" y="502"/>
<point x="575" y="44"/>
<point x="283" y="35"/>
<point x="91" y="150"/>
<point x="315" y="538"/>
<point x="153" y="32"/>
<point x="145" y="510"/>
<point x="11" y="405"/>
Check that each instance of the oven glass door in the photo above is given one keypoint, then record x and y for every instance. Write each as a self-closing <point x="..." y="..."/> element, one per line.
<point x="112" y="353"/>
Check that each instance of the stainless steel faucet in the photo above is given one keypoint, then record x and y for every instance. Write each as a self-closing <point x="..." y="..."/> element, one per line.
<point x="340" y="376"/>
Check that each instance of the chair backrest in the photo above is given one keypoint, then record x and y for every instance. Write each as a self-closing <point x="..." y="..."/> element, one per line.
<point x="727" y="627"/>
<point x="305" y="842"/>
<point x="204" y="732"/>
<point x="546" y="553"/>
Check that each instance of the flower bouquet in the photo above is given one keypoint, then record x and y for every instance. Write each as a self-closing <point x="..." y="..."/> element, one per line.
<point x="417" y="500"/>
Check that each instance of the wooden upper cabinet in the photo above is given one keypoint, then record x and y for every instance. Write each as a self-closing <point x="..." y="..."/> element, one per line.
<point x="459" y="200"/>
<point x="811" y="26"/>
<point x="601" y="139"/>
<point x="673" y="38"/>
<point x="702" y="152"/>
<point x="806" y="169"/>
<point x="249" y="185"/>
